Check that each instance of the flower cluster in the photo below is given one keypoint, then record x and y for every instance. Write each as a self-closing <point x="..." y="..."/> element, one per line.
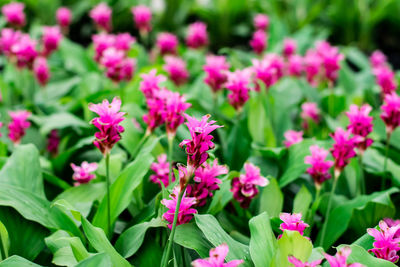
<point x="384" y="75"/>
<point x="292" y="222"/>
<point x="18" y="125"/>
<point x="167" y="43"/>
<point x="319" y="169"/>
<point x="101" y="16"/>
<point x="298" y="263"/>
<point x="83" y="174"/>
<point x="294" y="65"/>
<point x="216" y="68"/>
<point x="197" y="35"/>
<point x="64" y="18"/>
<point x="310" y="112"/>
<point x="268" y="70"/>
<point x="258" y="41"/>
<point x="142" y="18"/>
<point x="340" y="259"/>
<point x="391" y="112"/>
<point x="176" y="69"/>
<point x="14" y="14"/>
<point x="244" y="187"/>
<point x="343" y="148"/>
<point x="360" y="125"/>
<point x="239" y="86"/>
<point x="289" y="47"/>
<point x="386" y="244"/>
<point x="161" y="171"/>
<point x="217" y="258"/>
<point x="261" y="22"/>
<point x="292" y="137"/>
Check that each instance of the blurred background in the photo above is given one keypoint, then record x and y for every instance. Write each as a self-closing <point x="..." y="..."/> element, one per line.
<point x="367" y="24"/>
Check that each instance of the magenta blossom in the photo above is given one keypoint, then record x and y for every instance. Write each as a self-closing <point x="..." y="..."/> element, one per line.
<point x="343" y="148"/>
<point x="386" y="79"/>
<point x="361" y="124"/>
<point x="244" y="187"/>
<point x="239" y="86"/>
<point x="118" y="67"/>
<point x="340" y="259"/>
<point x="83" y="174"/>
<point x="14" y="13"/>
<point x="206" y="181"/>
<point x="175" y="107"/>
<point x="101" y="15"/>
<point x="215" y="68"/>
<point x="313" y="67"/>
<point x="64" y="17"/>
<point x="156" y="112"/>
<point x="386" y="245"/>
<point x="18" y="125"/>
<point x="310" y="112"/>
<point x="25" y="51"/>
<point x="41" y="70"/>
<point x="298" y="263"/>
<point x="197" y="36"/>
<point x="186" y="211"/>
<point x="261" y="22"/>
<point x="268" y="70"/>
<point x="319" y="169"/>
<point x="176" y="69"/>
<point x="391" y="112"/>
<point x="259" y="42"/>
<point x="53" y="142"/>
<point x="295" y="65"/>
<point x="161" y="171"/>
<point x="331" y="59"/>
<point x="51" y="39"/>
<point x="142" y="18"/>
<point x="289" y="47"/>
<point x="292" y="222"/>
<point x="124" y="41"/>
<point x="377" y="59"/>
<point x="292" y="137"/>
<point x="8" y="38"/>
<point x="102" y="42"/>
<point x="107" y="123"/>
<point x="391" y="223"/>
<point x="167" y="43"/>
<point x="151" y="83"/>
<point x="217" y="258"/>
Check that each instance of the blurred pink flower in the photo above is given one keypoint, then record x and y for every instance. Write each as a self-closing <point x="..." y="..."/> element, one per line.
<point x="298" y="263"/>
<point x="8" y="38"/>
<point x="261" y="22"/>
<point x="197" y="36"/>
<point x="83" y="174"/>
<point x="186" y="211"/>
<point x="361" y="124"/>
<point x="14" y="13"/>
<point x="25" y="51"/>
<point x="259" y="42"/>
<point x="295" y="65"/>
<point x="239" y="86"/>
<point x="244" y="187"/>
<point x="386" y="245"/>
<point x="41" y="70"/>
<point x="156" y="114"/>
<point x="176" y="69"/>
<point x="167" y="43"/>
<point x="151" y="83"/>
<point x="340" y="259"/>
<point x="377" y="59"/>
<point x="64" y="17"/>
<point x="310" y="111"/>
<point x="386" y="79"/>
<point x="289" y="47"/>
<point x="319" y="169"/>
<point x="142" y="18"/>
<point x="292" y="137"/>
<point x="391" y="112"/>
<point x="124" y="41"/>
<point x="102" y="42"/>
<point x="343" y="148"/>
<point x="175" y="106"/>
<point x="217" y="258"/>
<point x="53" y="142"/>
<point x="292" y="222"/>
<point x="390" y="222"/>
<point x="51" y="39"/>
<point x="268" y="70"/>
<point x="118" y="67"/>
<point x="331" y="59"/>
<point x="215" y="68"/>
<point x="313" y="66"/>
<point x="18" y="125"/>
<point x="161" y="171"/>
<point x="101" y="15"/>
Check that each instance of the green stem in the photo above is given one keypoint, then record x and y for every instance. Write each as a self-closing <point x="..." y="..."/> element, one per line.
<point x="170" y="153"/>
<point x="108" y="193"/>
<point x="362" y="178"/>
<point x="385" y="162"/>
<point x="336" y="178"/>
<point x="139" y="145"/>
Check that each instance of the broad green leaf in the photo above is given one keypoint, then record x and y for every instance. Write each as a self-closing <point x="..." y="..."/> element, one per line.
<point x="97" y="260"/>
<point x="221" y="197"/>
<point x="271" y="199"/>
<point x="99" y="241"/>
<point x="360" y="255"/>
<point x="17" y="261"/>
<point x="54" y="180"/>
<point x="5" y="242"/>
<point x="190" y="236"/>
<point x="60" y="121"/>
<point x="292" y="243"/>
<point x="302" y="201"/>
<point x="259" y="124"/>
<point x="262" y="241"/>
<point x="374" y="162"/>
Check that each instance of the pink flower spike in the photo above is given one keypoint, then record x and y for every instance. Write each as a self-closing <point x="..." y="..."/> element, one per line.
<point x="386" y="244"/>
<point x="25" y="51"/>
<point x="239" y="86"/>
<point x="107" y="123"/>
<point x="292" y="222"/>
<point x="186" y="211"/>
<point x="64" y="17"/>
<point x="217" y="258"/>
<point x="313" y="67"/>
<point x="175" y="106"/>
<point x="390" y="222"/>
<point x="292" y="137"/>
<point x="197" y="36"/>
<point x="343" y="148"/>
<point x="244" y="187"/>
<point x="167" y="43"/>
<point x="386" y="79"/>
<point x="259" y="42"/>
<point x="289" y="47"/>
<point x="53" y="142"/>
<point x="156" y="111"/>
<point x="377" y="59"/>
<point x="340" y="259"/>
<point x="83" y="174"/>
<point x="215" y="68"/>
<point x="391" y="112"/>
<point x="268" y="70"/>
<point x="8" y="38"/>
<point x="298" y="263"/>
<point x="51" y="39"/>
<point x="142" y="18"/>
<point x="18" y="125"/>
<point x="41" y="70"/>
<point x="331" y="59"/>
<point x="151" y="83"/>
<point x="261" y="22"/>
<point x="319" y="169"/>
<point x="14" y="13"/>
<point x="101" y="15"/>
<point x="295" y="65"/>
<point x="102" y="42"/>
<point x="361" y="124"/>
<point x="124" y="41"/>
<point x="310" y="111"/>
<point x="176" y="69"/>
<point x="161" y="170"/>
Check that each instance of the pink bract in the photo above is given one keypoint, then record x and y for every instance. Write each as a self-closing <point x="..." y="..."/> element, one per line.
<point x="176" y="69"/>
<point x="319" y="169"/>
<point x="261" y="22"/>
<point x="83" y="174"/>
<point x="142" y="18"/>
<point x="101" y="15"/>
<point x="14" y="13"/>
<point x="167" y="43"/>
<point x="215" y="68"/>
<point x="292" y="137"/>
<point x="64" y="17"/>
<point x="217" y="258"/>
<point x="18" y="125"/>
<point x="197" y="36"/>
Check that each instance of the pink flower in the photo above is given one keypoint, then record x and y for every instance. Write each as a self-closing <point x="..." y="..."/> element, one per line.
<point x="53" y="142"/>
<point x="41" y="70"/>
<point x="261" y="22"/>
<point x="51" y="38"/>
<point x="340" y="259"/>
<point x="127" y="68"/>
<point x="175" y="106"/>
<point x="167" y="43"/>
<point x="295" y="65"/>
<point x="244" y="187"/>
<point x="14" y="13"/>
<point x="197" y="147"/>
<point x="124" y="41"/>
<point x="292" y="137"/>
<point x="319" y="169"/>
<point x="386" y="244"/>
<point x="268" y="70"/>
<point x="292" y="222"/>
<point x="215" y="68"/>
<point x="64" y="17"/>
<point x="238" y="85"/>
<point x="361" y="124"/>
<point x="343" y="148"/>
<point x="377" y="59"/>
<point x="151" y="83"/>
<point x="19" y="123"/>
<point x="83" y="174"/>
<point x="391" y="112"/>
<point x="25" y="51"/>
<point x="186" y="211"/>
<point x="161" y="170"/>
<point x="330" y="59"/>
<point x="101" y="15"/>
<point x="112" y="57"/>
<point x="101" y="42"/>
<point x="197" y="35"/>
<point x="206" y="181"/>
<point x="310" y="111"/>
<point x="298" y="263"/>
<point x="259" y="41"/>
<point x="156" y="112"/>
<point x="176" y="69"/>
<point x="390" y="222"/>
<point x="313" y="65"/>
<point x="217" y="258"/>
<point x="289" y="47"/>
<point x="385" y="78"/>
<point x="118" y="67"/>
<point x="142" y="18"/>
<point x="8" y="38"/>
<point x="107" y="123"/>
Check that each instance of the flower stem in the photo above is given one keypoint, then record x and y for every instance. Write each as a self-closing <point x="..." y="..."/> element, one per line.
<point x="170" y="153"/>
<point x="328" y="210"/>
<point x="108" y="193"/>
<point x="385" y="161"/>
<point x="362" y="177"/>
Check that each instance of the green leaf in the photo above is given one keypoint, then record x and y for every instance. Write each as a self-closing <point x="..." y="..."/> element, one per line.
<point x="99" y="241"/>
<point x="5" y="242"/>
<point x="292" y="243"/>
<point x="271" y="199"/>
<point x="374" y="162"/>
<point x="216" y="235"/>
<point x="60" y="121"/>
<point x="97" y="260"/>
<point x="222" y="197"/>
<point x="17" y="261"/>
<point x="302" y="201"/>
<point x="59" y="245"/>
<point x="360" y="255"/>
<point x="190" y="236"/>
<point x="262" y="241"/>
